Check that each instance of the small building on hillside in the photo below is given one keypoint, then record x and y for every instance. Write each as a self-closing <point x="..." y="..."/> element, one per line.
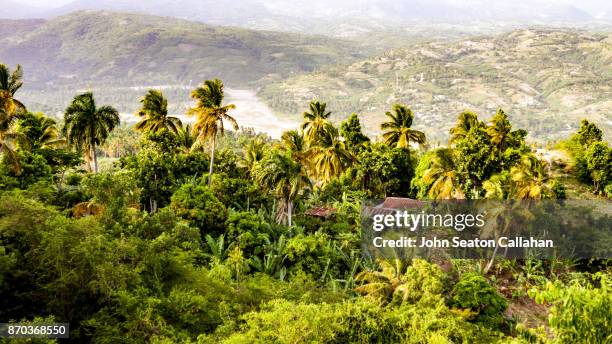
<point x="322" y="212"/>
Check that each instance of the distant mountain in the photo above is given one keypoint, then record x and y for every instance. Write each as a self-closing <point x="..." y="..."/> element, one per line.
<point x="128" y="49"/>
<point x="340" y="17"/>
<point x="228" y="11"/>
<point x="546" y="80"/>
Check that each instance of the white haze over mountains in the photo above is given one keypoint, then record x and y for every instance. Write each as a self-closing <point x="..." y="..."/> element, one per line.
<point x="299" y="13"/>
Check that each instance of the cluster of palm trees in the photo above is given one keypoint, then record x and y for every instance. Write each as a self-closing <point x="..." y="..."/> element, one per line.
<point x="314" y="154"/>
<point x="36" y="130"/>
<point x="527" y="178"/>
<point x="88" y="126"/>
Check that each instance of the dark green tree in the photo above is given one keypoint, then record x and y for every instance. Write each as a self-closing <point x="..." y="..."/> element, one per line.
<point x="588" y="133"/>
<point x="476" y="160"/>
<point x="351" y="131"/>
<point x="198" y="205"/>
<point x="599" y="162"/>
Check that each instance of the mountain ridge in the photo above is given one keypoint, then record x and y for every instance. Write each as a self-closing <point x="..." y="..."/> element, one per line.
<point x="341" y="18"/>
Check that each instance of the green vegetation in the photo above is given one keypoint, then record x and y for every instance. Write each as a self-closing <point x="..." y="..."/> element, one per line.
<point x="151" y="247"/>
<point x="592" y="157"/>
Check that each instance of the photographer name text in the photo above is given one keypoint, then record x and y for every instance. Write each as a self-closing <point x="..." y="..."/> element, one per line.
<point x="457" y="242"/>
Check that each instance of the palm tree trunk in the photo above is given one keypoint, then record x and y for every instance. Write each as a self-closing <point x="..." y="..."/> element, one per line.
<point x="492" y="260"/>
<point x="95" y="157"/>
<point x="212" y="160"/>
<point x="289" y="211"/>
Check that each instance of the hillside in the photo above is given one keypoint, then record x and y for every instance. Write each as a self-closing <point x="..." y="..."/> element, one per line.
<point x="546" y="80"/>
<point x="130" y="49"/>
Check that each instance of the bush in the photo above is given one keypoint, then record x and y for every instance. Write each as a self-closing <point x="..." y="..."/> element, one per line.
<point x="559" y="190"/>
<point x="115" y="192"/>
<point x="473" y="292"/>
<point x="236" y="192"/>
<point x="33" y="168"/>
<point x="312" y="254"/>
<point x="580" y="312"/>
<point x="356" y="321"/>
<point x="248" y="230"/>
<point x="423" y="283"/>
<point x="200" y="207"/>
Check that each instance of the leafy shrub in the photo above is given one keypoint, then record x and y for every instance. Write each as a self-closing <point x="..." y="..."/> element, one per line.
<point x="312" y="254"/>
<point x="423" y="283"/>
<point x="580" y="312"/>
<point x="115" y="192"/>
<point x="32" y="169"/>
<point x="558" y="190"/>
<point x="199" y="206"/>
<point x="473" y="292"/>
<point x="248" y="230"/>
<point x="236" y="192"/>
<point x="356" y="321"/>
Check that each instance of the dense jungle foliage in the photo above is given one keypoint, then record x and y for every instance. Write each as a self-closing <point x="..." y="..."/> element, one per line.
<point x="168" y="232"/>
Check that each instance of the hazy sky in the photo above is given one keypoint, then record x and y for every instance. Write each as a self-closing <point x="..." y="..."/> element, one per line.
<point x="592" y="6"/>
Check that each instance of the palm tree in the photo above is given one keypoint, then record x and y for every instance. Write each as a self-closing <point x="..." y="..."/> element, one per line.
<point x="397" y="131"/>
<point x="329" y="156"/>
<point x="294" y="141"/>
<point x="155" y="114"/>
<point x="38" y="131"/>
<point x="210" y="114"/>
<point x="499" y="130"/>
<point x="7" y="149"/>
<point x="503" y="219"/>
<point x="10" y="110"/>
<point x="87" y="126"/>
<point x="10" y="83"/>
<point x="498" y="186"/>
<point x="530" y="178"/>
<point x="442" y="177"/>
<point x="185" y="138"/>
<point x="466" y="121"/>
<point x="316" y="120"/>
<point x="253" y="153"/>
<point x="285" y="177"/>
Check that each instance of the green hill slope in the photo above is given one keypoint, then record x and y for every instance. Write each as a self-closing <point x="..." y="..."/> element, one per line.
<point x="129" y="49"/>
<point x="546" y="80"/>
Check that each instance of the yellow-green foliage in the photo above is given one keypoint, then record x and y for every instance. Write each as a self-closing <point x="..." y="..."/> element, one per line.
<point x="473" y="292"/>
<point x="357" y="321"/>
<point x="581" y="312"/>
